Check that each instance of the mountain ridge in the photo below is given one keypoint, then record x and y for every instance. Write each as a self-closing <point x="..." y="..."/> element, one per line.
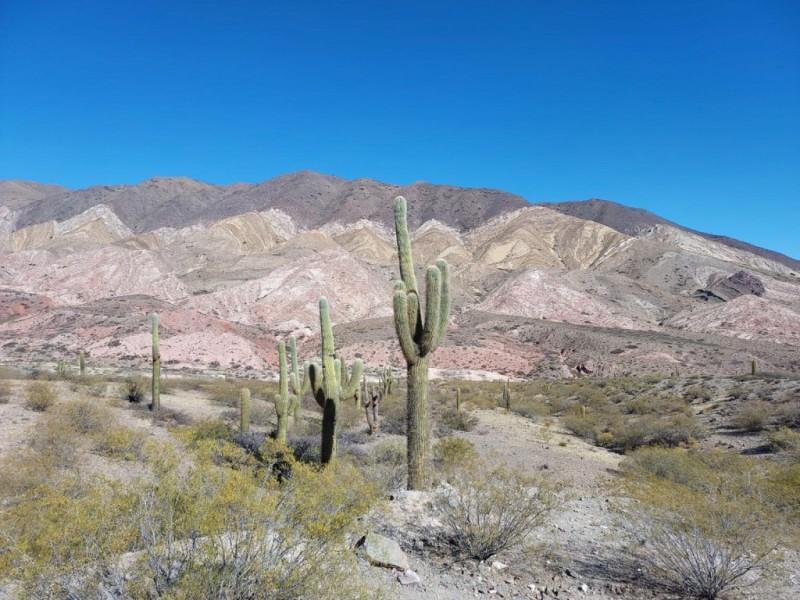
<point x="314" y="199"/>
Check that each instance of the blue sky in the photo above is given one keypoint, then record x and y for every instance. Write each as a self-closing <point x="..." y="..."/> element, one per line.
<point x="688" y="109"/>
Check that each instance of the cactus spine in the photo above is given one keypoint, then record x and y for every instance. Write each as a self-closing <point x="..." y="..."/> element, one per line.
<point x="156" y="378"/>
<point x="82" y="363"/>
<point x="418" y="340"/>
<point x="244" y="410"/>
<point x="506" y="396"/>
<point x="300" y="387"/>
<point x="331" y="384"/>
<point x="282" y="401"/>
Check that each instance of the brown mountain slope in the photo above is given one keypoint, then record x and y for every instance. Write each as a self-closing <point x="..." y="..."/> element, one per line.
<point x="16" y="193"/>
<point x="310" y="198"/>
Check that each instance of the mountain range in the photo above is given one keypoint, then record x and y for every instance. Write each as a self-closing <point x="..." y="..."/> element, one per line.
<point x="539" y="290"/>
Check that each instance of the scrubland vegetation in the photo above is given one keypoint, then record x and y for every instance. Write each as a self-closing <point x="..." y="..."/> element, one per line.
<point x="98" y="506"/>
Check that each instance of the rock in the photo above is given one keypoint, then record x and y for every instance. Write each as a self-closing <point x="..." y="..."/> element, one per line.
<point x="584" y="588"/>
<point x="384" y="552"/>
<point x="499" y="566"/>
<point x="408" y="577"/>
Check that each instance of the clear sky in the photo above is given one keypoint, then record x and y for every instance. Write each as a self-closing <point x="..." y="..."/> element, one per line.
<point x="689" y="109"/>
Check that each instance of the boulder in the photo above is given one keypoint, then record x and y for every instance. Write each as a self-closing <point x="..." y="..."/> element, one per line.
<point x="383" y="552"/>
<point x="408" y="577"/>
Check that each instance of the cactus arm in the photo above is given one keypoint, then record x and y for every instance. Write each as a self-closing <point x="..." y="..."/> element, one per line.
<point x="444" y="304"/>
<point x="283" y="377"/>
<point x="404" y="244"/>
<point x="354" y="381"/>
<point x="433" y="297"/>
<point x="305" y="387"/>
<point x="315" y="381"/>
<point x="402" y="325"/>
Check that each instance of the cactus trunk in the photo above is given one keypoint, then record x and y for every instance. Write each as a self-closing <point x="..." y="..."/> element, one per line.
<point x="156" y="377"/>
<point x="282" y="402"/>
<point x="244" y="410"/>
<point x="418" y="426"/>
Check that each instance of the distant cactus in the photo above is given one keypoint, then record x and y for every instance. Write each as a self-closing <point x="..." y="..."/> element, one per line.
<point x="371" y="399"/>
<point x="300" y="387"/>
<point x="753" y="367"/>
<point x="331" y="384"/>
<point x="156" y="378"/>
<point x="61" y="369"/>
<point x="583" y="411"/>
<point x="82" y="363"/>
<point x="283" y="400"/>
<point x="506" y="396"/>
<point x="458" y="399"/>
<point x="386" y="381"/>
<point x="244" y="410"/>
<point x="418" y="340"/>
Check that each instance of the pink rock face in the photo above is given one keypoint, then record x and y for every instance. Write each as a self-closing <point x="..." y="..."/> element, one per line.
<point x="534" y="291"/>
<point x="746" y="317"/>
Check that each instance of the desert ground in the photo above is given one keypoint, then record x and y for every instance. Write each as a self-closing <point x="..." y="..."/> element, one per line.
<point x="578" y="550"/>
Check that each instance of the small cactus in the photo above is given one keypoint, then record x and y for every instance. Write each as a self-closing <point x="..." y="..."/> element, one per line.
<point x="331" y="384"/>
<point x="458" y="399"/>
<point x="753" y="367"/>
<point x="61" y="369"/>
<point x="244" y="410"/>
<point x="82" y="363"/>
<point x="418" y="338"/>
<point x="156" y="377"/>
<point x="506" y="396"/>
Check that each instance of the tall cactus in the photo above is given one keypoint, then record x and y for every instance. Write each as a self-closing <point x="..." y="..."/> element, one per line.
<point x="283" y="401"/>
<point x="331" y="384"/>
<point x="418" y="339"/>
<point x="244" y="410"/>
<point x="458" y="399"/>
<point x="300" y="386"/>
<point x="156" y="378"/>
<point x="753" y="367"/>
<point x="82" y="363"/>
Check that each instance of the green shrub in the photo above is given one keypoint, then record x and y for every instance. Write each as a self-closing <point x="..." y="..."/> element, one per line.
<point x="453" y="420"/>
<point x="39" y="396"/>
<point x="784" y="439"/>
<point x="120" y="442"/>
<point x="84" y="416"/>
<point x="486" y="512"/>
<point x="752" y="416"/>
<point x="134" y="390"/>
<point x="700" y="521"/>
<point x="452" y="453"/>
<point x="698" y="392"/>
